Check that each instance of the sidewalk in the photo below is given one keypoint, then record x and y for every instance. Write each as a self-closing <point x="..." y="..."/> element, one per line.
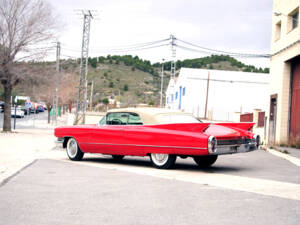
<point x="290" y="154"/>
<point x="291" y="151"/>
<point x="23" y="146"/>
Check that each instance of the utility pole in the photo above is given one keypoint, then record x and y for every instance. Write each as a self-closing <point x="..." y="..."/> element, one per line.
<point x="173" y="68"/>
<point x="173" y="62"/>
<point x="55" y="96"/>
<point x="162" y="83"/>
<point x="82" y="87"/>
<point x="91" y="97"/>
<point x="206" y="102"/>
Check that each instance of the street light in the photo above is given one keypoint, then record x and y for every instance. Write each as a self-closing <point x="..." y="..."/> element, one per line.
<point x="162" y="82"/>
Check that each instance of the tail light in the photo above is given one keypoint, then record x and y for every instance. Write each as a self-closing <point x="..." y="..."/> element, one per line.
<point x="212" y="143"/>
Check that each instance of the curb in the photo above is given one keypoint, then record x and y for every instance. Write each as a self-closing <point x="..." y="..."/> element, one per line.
<point x="8" y="178"/>
<point x="292" y="159"/>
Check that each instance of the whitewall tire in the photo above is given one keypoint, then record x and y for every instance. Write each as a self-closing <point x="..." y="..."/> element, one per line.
<point x="162" y="161"/>
<point x="73" y="151"/>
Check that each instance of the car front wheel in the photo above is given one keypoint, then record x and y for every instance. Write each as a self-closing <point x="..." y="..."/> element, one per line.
<point x="73" y="150"/>
<point x="162" y="161"/>
<point x="206" y="160"/>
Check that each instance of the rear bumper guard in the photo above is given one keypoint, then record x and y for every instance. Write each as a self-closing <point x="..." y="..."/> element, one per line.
<point x="231" y="149"/>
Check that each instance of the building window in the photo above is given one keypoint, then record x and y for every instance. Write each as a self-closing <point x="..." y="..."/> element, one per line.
<point x="167" y="100"/>
<point x="278" y="31"/>
<point x="172" y="98"/>
<point x="295" y="19"/>
<point x="176" y="96"/>
<point x="183" y="91"/>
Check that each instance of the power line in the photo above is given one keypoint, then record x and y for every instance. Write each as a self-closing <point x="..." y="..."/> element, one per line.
<point x="211" y="51"/>
<point x="122" y="47"/>
<point x="132" y="49"/>
<point x="71" y="57"/>
<point x="120" y="50"/>
<point x="159" y="43"/>
<point x="229" y="81"/>
<point x="133" y="45"/>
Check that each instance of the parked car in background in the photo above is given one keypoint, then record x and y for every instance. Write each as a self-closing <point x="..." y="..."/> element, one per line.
<point x="23" y="108"/>
<point x="18" y="113"/>
<point x="34" y="108"/>
<point x="41" y="108"/>
<point x="43" y="104"/>
<point x="2" y="104"/>
<point x="162" y="134"/>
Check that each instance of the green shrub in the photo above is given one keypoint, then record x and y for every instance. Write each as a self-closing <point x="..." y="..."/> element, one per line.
<point x="105" y="101"/>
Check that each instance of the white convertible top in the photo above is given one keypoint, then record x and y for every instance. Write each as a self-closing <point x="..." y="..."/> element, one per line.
<point x="150" y="115"/>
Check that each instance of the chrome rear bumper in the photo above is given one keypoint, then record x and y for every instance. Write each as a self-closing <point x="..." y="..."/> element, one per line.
<point x="231" y="149"/>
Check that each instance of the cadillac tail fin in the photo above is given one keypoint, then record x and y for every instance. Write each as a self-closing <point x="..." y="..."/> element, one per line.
<point x="243" y="126"/>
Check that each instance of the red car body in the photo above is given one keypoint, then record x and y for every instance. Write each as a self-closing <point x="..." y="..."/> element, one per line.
<point x="179" y="139"/>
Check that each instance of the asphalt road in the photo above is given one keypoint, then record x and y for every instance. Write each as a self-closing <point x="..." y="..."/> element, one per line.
<point x="258" y="164"/>
<point x="132" y="192"/>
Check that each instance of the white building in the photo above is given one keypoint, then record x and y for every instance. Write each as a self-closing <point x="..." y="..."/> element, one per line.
<point x="229" y="92"/>
<point x="284" y="96"/>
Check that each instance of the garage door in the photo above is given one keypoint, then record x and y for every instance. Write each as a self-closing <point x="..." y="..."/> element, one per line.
<point x="295" y="106"/>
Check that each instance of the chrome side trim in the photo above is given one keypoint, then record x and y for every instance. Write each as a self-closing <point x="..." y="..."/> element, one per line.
<point x="156" y="146"/>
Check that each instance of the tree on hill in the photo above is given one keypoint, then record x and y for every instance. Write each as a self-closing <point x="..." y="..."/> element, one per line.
<point x="209" y="60"/>
<point x="24" y="23"/>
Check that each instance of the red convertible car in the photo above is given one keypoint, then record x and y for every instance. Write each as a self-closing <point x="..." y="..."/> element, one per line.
<point x="162" y="134"/>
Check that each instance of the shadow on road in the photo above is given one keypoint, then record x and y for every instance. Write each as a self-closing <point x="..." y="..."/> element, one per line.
<point x="189" y="165"/>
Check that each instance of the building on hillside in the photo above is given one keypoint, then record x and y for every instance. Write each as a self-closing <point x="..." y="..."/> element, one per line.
<point x="228" y="92"/>
<point x="284" y="99"/>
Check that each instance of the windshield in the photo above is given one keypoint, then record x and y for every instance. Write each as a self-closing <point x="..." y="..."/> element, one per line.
<point x="177" y="118"/>
<point x="121" y="118"/>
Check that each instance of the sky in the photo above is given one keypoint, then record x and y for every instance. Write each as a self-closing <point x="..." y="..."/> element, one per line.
<point x="233" y="25"/>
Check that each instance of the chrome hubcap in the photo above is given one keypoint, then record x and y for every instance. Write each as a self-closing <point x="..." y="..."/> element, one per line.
<point x="159" y="159"/>
<point x="72" y="148"/>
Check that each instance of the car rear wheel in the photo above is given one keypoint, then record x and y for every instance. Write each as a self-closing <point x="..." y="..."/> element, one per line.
<point x="205" y="161"/>
<point x="162" y="161"/>
<point x="117" y="157"/>
<point x="73" y="150"/>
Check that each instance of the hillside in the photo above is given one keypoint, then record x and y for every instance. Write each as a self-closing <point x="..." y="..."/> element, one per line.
<point x="132" y="80"/>
<point x="129" y="86"/>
